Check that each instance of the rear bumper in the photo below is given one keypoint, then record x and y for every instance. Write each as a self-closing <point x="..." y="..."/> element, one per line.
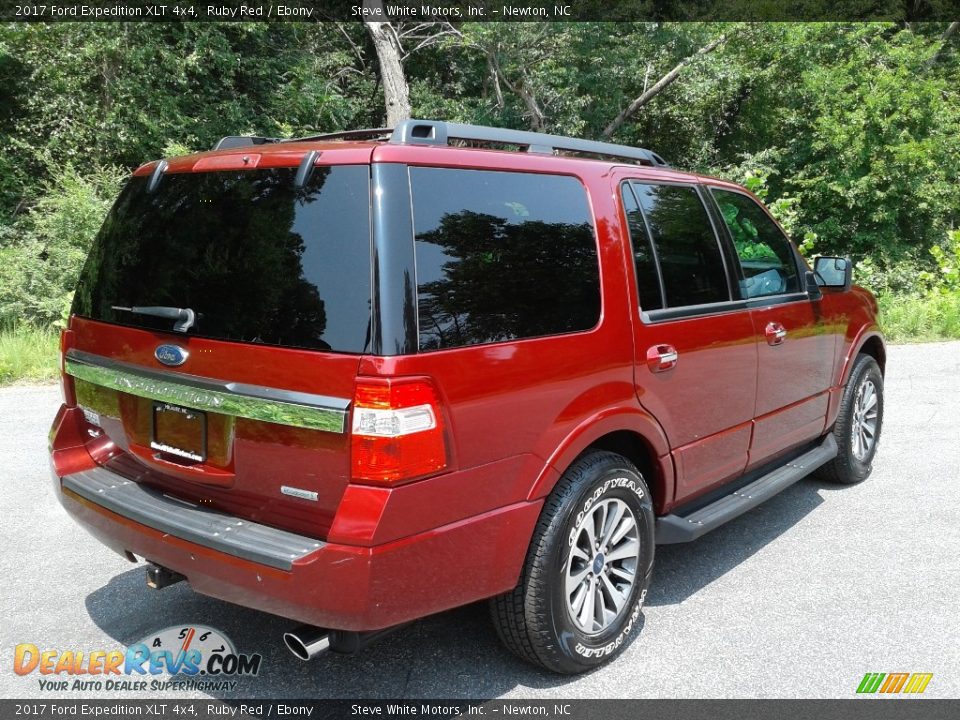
<point x="330" y="585"/>
<point x="188" y="521"/>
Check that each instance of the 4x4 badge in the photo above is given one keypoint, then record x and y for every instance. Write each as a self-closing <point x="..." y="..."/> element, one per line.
<point x="171" y="355"/>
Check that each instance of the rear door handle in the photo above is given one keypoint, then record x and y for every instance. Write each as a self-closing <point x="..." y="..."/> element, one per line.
<point x="776" y="333"/>
<point x="661" y="358"/>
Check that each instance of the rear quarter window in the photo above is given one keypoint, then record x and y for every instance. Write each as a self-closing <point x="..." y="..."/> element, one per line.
<point x="502" y="256"/>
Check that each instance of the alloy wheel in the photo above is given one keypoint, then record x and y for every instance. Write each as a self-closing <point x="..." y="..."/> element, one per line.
<point x="864" y="426"/>
<point x="602" y="567"/>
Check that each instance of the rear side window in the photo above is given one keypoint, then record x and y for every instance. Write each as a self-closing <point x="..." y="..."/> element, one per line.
<point x="648" y="277"/>
<point x="766" y="256"/>
<point x="502" y="256"/>
<point x="689" y="255"/>
<point x="255" y="258"/>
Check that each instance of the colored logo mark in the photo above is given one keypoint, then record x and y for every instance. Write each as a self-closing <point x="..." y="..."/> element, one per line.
<point x="172" y="355"/>
<point x="888" y="683"/>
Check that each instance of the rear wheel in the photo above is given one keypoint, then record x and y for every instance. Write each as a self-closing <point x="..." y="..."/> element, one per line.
<point x="857" y="430"/>
<point x="587" y="569"/>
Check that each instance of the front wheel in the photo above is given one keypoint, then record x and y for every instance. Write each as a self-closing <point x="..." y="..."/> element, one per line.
<point x="587" y="569"/>
<point x="857" y="430"/>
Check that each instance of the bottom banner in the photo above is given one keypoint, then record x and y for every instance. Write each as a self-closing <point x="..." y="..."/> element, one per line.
<point x="852" y="709"/>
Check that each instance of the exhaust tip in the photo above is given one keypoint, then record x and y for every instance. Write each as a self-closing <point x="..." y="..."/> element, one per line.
<point x="306" y="642"/>
<point x="296" y="646"/>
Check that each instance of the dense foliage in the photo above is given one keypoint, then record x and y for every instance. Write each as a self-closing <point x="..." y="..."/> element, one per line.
<point x="850" y="132"/>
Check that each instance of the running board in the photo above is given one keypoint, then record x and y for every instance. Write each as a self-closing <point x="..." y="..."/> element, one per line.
<point x="673" y="529"/>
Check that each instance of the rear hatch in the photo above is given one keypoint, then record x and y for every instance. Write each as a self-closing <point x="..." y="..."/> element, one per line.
<point x="243" y="408"/>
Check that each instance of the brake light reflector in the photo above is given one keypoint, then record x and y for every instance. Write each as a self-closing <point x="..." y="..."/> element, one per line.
<point x="397" y="431"/>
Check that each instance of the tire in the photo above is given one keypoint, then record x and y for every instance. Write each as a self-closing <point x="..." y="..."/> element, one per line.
<point x="854" y="462"/>
<point x="536" y="620"/>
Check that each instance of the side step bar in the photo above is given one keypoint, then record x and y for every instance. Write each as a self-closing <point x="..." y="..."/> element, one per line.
<point x="673" y="529"/>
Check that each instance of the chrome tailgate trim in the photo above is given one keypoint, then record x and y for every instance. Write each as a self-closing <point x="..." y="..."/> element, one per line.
<point x="254" y="402"/>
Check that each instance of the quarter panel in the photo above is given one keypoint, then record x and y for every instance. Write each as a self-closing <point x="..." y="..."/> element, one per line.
<point x="527" y="397"/>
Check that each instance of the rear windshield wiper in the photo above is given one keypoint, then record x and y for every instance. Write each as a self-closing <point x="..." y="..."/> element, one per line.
<point x="184" y="317"/>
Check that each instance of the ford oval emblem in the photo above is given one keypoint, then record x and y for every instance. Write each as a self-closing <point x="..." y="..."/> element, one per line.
<point x="171" y="355"/>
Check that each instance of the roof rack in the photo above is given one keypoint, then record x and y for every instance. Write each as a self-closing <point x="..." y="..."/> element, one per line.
<point x="363" y="134"/>
<point x="236" y="141"/>
<point x="436" y="132"/>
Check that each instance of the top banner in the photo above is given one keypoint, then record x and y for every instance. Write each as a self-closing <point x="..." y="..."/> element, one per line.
<point x="457" y="11"/>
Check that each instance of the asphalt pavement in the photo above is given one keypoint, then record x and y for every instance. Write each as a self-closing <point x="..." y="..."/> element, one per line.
<point x="798" y="598"/>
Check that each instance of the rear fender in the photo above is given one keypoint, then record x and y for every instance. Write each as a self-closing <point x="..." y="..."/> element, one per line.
<point x="595" y="427"/>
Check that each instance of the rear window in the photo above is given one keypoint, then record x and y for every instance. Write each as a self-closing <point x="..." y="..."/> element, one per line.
<point x="502" y="256"/>
<point x="256" y="259"/>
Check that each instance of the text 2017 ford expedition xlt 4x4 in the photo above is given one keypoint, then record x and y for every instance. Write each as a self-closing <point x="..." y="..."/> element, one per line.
<point x="356" y="379"/>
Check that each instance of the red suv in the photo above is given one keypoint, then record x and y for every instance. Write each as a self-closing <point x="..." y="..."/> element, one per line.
<point x="356" y="379"/>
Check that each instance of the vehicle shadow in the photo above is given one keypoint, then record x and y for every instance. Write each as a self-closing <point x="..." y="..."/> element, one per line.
<point x="455" y="654"/>
<point x="682" y="570"/>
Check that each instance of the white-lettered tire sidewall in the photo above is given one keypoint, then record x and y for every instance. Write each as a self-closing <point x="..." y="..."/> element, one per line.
<point x="581" y="651"/>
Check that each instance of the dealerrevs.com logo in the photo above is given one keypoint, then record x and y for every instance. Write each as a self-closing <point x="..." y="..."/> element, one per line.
<point x="186" y="657"/>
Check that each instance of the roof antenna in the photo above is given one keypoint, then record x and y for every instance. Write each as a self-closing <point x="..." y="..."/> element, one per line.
<point x="305" y="169"/>
<point x="156" y="175"/>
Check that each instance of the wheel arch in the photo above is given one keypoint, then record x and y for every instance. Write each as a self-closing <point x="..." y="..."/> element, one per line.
<point x="631" y="433"/>
<point x="638" y="450"/>
<point x="875" y="348"/>
<point x="869" y="343"/>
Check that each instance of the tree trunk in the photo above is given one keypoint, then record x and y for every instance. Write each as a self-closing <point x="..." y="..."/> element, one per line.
<point x="396" y="93"/>
<point x="944" y="43"/>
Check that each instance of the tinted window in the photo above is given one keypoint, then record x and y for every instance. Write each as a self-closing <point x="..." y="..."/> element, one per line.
<point x="502" y="255"/>
<point x="256" y="259"/>
<point x="687" y="249"/>
<point x="648" y="281"/>
<point x="766" y="256"/>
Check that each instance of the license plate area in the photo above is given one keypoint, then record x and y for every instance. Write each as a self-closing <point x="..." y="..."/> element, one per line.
<point x="179" y="433"/>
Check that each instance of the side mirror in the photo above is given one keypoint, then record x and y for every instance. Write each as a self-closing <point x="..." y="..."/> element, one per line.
<point x="833" y="272"/>
<point x="812" y="286"/>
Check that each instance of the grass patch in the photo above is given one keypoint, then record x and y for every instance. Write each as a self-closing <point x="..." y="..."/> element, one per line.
<point x="920" y="318"/>
<point x="28" y="354"/>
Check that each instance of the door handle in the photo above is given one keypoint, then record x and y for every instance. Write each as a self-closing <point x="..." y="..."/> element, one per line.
<point x="661" y="358"/>
<point x="776" y="333"/>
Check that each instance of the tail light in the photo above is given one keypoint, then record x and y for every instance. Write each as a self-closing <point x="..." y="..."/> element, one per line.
<point x="397" y="433"/>
<point x="66" y="381"/>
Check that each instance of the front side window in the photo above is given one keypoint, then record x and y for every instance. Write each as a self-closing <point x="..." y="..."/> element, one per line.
<point x="689" y="255"/>
<point x="766" y="256"/>
<point x="502" y="256"/>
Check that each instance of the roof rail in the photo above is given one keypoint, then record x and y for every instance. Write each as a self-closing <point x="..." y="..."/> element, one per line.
<point x="436" y="132"/>
<point x="344" y="135"/>
<point x="236" y="141"/>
